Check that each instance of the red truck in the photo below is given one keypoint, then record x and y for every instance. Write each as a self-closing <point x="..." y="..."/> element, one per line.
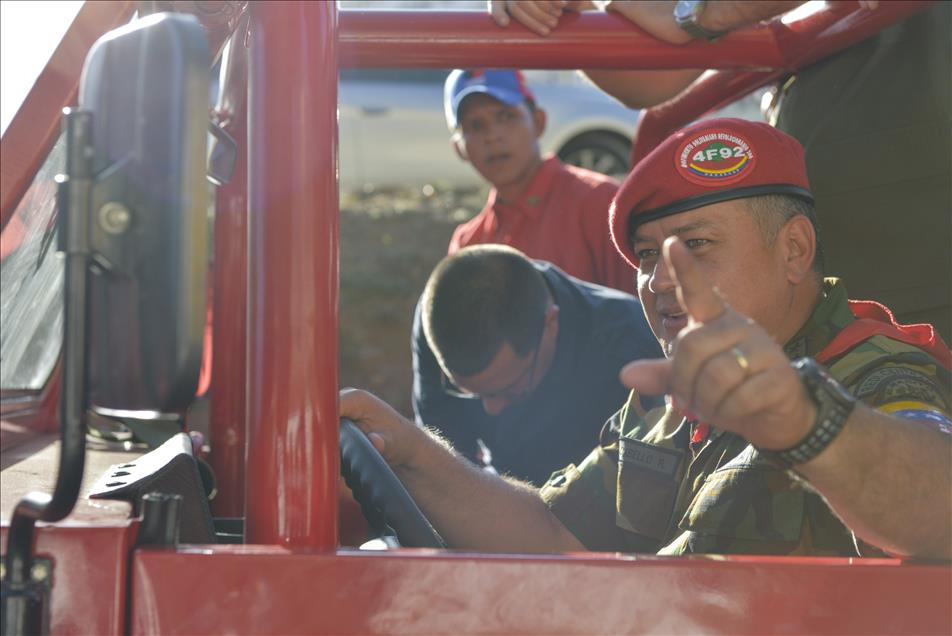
<point x="127" y="542"/>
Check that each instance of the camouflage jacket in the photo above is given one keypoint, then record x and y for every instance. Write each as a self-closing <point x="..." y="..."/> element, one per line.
<point x="649" y="488"/>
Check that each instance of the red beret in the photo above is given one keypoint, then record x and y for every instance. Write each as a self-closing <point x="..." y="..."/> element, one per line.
<point x="708" y="162"/>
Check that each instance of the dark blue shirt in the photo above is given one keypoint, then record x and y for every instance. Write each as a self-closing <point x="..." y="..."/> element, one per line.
<point x="600" y="330"/>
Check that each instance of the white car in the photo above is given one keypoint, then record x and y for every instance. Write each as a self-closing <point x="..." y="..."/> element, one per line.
<point x="393" y="131"/>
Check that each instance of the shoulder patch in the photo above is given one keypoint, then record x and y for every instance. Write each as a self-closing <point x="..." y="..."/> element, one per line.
<point x="897" y="384"/>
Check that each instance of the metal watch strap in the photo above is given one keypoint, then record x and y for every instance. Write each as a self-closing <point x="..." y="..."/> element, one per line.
<point x="833" y="407"/>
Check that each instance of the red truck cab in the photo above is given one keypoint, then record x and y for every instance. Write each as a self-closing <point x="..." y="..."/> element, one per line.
<point x="289" y="561"/>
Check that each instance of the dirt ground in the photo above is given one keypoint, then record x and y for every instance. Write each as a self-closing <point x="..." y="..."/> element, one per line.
<point x="390" y="241"/>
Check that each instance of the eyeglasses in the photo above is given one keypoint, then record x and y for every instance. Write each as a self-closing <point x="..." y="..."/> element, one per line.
<point x="515" y="390"/>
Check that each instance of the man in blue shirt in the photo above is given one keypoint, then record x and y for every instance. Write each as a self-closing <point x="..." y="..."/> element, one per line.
<point x="516" y="363"/>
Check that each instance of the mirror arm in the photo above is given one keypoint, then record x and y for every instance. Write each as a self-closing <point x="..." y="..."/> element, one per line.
<point x="26" y="587"/>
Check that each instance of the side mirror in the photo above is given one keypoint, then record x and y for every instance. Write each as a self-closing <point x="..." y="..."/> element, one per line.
<point x="146" y="89"/>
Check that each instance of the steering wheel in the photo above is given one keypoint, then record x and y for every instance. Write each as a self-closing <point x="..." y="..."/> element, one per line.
<point x="382" y="498"/>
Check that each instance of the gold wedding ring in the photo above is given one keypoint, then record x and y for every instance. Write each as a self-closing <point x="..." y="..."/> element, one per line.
<point x="742" y="360"/>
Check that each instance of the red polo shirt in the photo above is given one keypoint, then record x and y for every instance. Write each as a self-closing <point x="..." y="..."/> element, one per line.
<point x="562" y="217"/>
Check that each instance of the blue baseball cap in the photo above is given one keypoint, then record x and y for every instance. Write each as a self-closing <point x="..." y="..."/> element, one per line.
<point x="507" y="86"/>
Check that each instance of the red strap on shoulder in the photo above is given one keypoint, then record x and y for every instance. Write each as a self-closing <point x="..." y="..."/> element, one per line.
<point x="873" y="319"/>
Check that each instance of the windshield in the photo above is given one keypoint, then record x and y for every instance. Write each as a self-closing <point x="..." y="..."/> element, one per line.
<point x="31" y="273"/>
<point x="31" y="283"/>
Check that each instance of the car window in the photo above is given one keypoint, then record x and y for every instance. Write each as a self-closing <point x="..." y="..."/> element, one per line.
<point x="31" y="283"/>
<point x="399" y="75"/>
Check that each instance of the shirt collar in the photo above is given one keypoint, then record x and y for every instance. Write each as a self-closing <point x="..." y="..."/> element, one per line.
<point x="532" y="201"/>
<point x="831" y="314"/>
<point x="573" y="324"/>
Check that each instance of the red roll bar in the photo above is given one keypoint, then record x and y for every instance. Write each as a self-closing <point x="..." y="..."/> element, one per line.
<point x="460" y="39"/>
<point x="292" y="454"/>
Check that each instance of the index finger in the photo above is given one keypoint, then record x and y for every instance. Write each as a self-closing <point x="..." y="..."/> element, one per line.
<point x="696" y="294"/>
<point x="497" y="9"/>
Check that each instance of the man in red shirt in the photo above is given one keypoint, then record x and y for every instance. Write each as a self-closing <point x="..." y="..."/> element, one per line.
<point x="545" y="209"/>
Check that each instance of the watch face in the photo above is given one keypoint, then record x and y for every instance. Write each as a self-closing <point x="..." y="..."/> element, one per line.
<point x="685" y="9"/>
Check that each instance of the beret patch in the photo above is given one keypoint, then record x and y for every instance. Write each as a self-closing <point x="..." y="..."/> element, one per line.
<point x="715" y="159"/>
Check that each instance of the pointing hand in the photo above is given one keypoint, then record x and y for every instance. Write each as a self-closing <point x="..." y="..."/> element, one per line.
<point x="725" y="369"/>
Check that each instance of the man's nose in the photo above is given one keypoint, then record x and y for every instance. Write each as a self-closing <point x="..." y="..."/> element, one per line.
<point x="495" y="131"/>
<point x="495" y="405"/>
<point x="660" y="279"/>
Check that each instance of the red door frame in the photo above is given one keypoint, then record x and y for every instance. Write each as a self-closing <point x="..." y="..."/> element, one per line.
<point x="230" y="292"/>
<point x="268" y="589"/>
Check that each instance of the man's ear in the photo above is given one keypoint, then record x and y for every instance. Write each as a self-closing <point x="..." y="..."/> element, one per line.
<point x="797" y="244"/>
<point x="459" y="147"/>
<point x="539" y="118"/>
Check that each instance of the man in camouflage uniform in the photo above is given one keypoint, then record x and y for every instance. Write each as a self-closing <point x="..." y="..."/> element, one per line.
<point x="724" y="498"/>
<point x="753" y="453"/>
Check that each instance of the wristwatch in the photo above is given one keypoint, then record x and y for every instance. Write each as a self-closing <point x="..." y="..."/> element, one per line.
<point x="686" y="15"/>
<point x="833" y="407"/>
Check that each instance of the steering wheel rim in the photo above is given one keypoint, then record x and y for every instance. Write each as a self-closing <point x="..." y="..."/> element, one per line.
<point x="379" y="491"/>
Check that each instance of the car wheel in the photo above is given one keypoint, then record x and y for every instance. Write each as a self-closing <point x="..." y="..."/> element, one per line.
<point x="603" y="152"/>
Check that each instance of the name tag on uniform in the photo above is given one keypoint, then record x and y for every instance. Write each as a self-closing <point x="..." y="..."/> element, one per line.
<point x="663" y="461"/>
<point x="647" y="487"/>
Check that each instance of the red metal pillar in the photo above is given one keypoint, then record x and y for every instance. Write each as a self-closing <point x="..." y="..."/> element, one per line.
<point x="230" y="298"/>
<point x="292" y="449"/>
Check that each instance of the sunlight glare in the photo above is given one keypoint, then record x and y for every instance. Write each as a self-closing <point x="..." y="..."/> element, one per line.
<point x="29" y="33"/>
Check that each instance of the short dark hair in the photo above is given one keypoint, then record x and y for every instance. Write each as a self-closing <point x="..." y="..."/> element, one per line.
<point x="773" y="211"/>
<point x="479" y="298"/>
